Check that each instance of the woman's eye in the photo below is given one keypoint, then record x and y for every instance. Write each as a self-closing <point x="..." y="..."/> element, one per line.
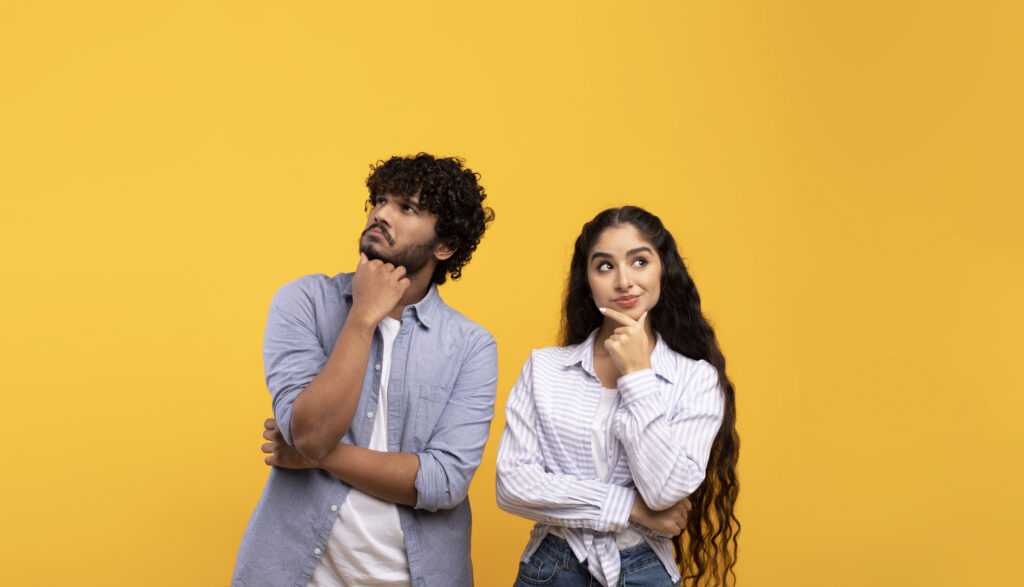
<point x="604" y="266"/>
<point x="640" y="262"/>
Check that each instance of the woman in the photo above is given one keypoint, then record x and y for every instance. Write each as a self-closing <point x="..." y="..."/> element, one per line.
<point x="611" y="438"/>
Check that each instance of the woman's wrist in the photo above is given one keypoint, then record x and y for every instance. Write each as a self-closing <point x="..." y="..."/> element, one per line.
<point x="640" y="366"/>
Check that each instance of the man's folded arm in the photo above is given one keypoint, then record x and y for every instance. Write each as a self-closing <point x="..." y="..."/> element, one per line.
<point x="314" y="396"/>
<point x="389" y="476"/>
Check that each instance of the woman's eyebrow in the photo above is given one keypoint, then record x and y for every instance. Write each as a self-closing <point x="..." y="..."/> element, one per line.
<point x="630" y="253"/>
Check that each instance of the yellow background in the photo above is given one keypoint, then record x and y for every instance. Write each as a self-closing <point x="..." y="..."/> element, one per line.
<point x="844" y="178"/>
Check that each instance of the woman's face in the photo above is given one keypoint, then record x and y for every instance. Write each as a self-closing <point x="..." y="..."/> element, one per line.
<point x="624" y="271"/>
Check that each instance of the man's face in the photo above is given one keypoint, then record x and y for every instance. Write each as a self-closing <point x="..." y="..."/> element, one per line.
<point x="400" y="232"/>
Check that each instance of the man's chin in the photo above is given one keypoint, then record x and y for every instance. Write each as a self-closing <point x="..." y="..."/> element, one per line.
<point x="373" y="254"/>
<point x="412" y="263"/>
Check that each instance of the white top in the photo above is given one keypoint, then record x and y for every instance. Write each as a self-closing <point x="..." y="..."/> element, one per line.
<point x="366" y="546"/>
<point x="657" y="443"/>
<point x="602" y="438"/>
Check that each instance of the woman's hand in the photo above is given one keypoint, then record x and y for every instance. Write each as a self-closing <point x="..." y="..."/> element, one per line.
<point x="670" y="521"/>
<point x="629" y="345"/>
<point x="282" y="454"/>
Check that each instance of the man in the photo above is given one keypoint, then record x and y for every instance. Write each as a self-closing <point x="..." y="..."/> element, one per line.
<point x="382" y="396"/>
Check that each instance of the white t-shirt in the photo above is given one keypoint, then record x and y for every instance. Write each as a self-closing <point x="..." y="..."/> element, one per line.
<point x="601" y="434"/>
<point x="366" y="546"/>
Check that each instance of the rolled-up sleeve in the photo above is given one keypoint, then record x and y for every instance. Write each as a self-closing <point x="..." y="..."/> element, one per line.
<point x="292" y="352"/>
<point x="456" y="445"/>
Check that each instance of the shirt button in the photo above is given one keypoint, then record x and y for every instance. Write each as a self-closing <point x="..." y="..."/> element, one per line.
<point x="317" y="551"/>
<point x="334" y="507"/>
<point x="376" y="367"/>
<point x="369" y="414"/>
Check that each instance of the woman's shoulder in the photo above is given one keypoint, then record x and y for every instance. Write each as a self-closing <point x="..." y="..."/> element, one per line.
<point x="556" y="357"/>
<point x="554" y="353"/>
<point x="686" y="368"/>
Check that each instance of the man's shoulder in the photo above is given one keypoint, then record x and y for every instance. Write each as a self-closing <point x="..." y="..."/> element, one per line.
<point x="458" y="326"/>
<point x="319" y="281"/>
<point x="312" y="287"/>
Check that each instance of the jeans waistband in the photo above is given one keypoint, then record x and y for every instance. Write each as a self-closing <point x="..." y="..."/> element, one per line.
<point x="635" y="556"/>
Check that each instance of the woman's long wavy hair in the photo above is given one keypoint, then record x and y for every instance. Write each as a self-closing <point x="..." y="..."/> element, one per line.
<point x="706" y="551"/>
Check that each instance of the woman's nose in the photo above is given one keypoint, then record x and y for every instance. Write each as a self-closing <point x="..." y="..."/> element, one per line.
<point x="623" y="280"/>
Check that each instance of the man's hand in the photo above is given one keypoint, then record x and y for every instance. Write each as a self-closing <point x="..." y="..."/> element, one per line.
<point x="281" y="454"/>
<point x="322" y="412"/>
<point x="670" y="521"/>
<point x="629" y="345"/>
<point x="390" y="476"/>
<point x="376" y="289"/>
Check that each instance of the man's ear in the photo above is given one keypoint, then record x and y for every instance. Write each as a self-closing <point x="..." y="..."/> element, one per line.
<point x="443" y="251"/>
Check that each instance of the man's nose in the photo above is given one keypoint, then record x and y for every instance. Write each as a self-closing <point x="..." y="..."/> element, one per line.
<point x="382" y="214"/>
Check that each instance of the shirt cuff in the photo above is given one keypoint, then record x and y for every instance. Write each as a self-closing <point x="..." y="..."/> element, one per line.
<point x="428" y="490"/>
<point x="617" y="506"/>
<point x="637" y="385"/>
<point x="284" y="424"/>
<point x="640" y="398"/>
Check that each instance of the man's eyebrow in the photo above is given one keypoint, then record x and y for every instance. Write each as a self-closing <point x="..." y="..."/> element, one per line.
<point x="409" y="201"/>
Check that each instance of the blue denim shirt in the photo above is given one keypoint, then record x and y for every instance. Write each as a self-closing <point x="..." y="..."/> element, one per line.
<point x="444" y="371"/>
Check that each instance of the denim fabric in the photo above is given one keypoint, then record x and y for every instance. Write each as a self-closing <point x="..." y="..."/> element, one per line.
<point x="554" y="565"/>
<point x="444" y="371"/>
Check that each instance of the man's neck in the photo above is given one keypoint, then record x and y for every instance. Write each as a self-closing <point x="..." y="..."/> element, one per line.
<point x="418" y="287"/>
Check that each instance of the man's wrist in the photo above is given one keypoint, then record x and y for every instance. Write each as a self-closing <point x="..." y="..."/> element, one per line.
<point x="359" y="322"/>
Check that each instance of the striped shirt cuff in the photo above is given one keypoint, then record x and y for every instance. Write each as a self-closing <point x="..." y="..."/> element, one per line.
<point x="635" y="389"/>
<point x="618" y="503"/>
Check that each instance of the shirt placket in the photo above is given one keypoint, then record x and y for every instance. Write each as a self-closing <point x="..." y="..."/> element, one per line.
<point x="362" y="425"/>
<point x="396" y="384"/>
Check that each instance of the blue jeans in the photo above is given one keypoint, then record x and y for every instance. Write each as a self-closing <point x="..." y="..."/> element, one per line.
<point x="554" y="565"/>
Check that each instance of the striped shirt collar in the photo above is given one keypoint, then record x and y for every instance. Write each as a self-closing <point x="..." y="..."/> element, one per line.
<point x="663" y="359"/>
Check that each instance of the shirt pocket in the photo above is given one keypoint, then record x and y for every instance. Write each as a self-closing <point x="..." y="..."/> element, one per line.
<point x="431" y="401"/>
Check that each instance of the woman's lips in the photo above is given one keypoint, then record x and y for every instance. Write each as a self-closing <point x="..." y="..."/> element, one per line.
<point x="626" y="301"/>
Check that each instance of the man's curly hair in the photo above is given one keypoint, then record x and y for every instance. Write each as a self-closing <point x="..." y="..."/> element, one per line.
<point x="448" y="190"/>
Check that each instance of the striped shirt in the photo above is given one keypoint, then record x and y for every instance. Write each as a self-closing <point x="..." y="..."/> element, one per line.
<point x="665" y="419"/>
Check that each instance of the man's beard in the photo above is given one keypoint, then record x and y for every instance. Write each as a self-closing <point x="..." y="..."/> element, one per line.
<point x="412" y="257"/>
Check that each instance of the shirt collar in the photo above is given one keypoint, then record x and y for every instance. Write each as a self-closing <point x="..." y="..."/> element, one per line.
<point x="583" y="354"/>
<point x="425" y="310"/>
<point x="663" y="361"/>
